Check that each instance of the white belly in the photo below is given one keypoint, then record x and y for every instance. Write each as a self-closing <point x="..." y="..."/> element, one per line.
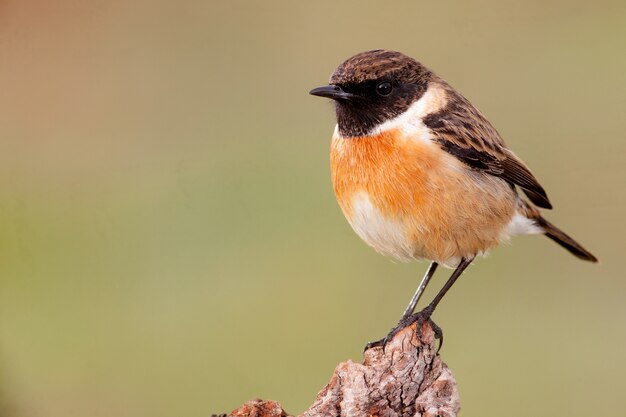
<point x="385" y="235"/>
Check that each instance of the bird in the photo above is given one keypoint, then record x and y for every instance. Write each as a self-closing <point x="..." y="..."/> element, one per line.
<point x="421" y="174"/>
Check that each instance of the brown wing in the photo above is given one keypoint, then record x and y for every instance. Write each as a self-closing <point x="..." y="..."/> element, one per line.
<point x="464" y="132"/>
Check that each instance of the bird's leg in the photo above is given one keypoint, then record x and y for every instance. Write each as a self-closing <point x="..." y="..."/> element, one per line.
<point x="416" y="297"/>
<point x="405" y="320"/>
<point x="408" y="319"/>
<point x="430" y="308"/>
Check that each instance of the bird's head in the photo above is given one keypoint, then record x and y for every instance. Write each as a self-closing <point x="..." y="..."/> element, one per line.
<point x="373" y="87"/>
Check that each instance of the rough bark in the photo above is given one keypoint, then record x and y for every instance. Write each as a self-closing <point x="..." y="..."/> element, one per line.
<point x="405" y="379"/>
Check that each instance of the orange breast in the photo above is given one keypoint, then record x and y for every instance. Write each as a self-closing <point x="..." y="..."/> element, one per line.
<point x="393" y="171"/>
<point x="445" y="210"/>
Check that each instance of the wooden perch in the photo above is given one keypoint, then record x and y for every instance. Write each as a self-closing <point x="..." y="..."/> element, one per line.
<point x="405" y="379"/>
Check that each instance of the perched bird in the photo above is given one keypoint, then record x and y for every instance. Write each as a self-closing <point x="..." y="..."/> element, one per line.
<point x="420" y="173"/>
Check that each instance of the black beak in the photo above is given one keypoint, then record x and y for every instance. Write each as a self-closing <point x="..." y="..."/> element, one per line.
<point x="332" y="91"/>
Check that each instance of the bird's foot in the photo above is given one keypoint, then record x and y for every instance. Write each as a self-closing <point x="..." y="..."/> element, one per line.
<point x="419" y="318"/>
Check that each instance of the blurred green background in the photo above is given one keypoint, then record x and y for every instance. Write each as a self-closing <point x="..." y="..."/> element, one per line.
<point x="169" y="240"/>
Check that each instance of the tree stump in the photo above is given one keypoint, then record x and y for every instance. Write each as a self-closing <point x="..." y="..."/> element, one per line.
<point x="406" y="378"/>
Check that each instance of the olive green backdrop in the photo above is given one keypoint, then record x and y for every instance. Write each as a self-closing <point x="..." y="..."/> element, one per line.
<point x="169" y="240"/>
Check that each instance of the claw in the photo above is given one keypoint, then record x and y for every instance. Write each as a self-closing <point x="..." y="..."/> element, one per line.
<point x="420" y="318"/>
<point x="438" y="333"/>
<point x="427" y="312"/>
<point x="403" y="323"/>
<point x="382" y="342"/>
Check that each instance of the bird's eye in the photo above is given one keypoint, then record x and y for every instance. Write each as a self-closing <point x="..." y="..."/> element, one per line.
<point x="384" y="88"/>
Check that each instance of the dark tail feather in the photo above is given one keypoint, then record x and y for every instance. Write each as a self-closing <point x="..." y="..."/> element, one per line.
<point x="564" y="240"/>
